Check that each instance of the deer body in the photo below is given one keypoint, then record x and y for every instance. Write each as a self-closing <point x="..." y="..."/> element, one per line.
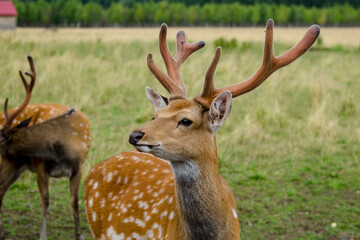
<point x="57" y="135"/>
<point x="182" y="199"/>
<point x="49" y="139"/>
<point x="177" y="193"/>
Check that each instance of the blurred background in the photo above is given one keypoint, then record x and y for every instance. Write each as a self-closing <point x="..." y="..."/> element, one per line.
<point x="96" y="13"/>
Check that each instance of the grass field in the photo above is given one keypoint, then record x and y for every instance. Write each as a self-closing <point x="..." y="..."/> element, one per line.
<point x="289" y="151"/>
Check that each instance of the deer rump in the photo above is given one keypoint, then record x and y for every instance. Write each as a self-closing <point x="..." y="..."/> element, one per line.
<point x="49" y="141"/>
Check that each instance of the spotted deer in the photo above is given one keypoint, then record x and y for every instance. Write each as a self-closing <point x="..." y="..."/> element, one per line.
<point x="49" y="139"/>
<point x="171" y="188"/>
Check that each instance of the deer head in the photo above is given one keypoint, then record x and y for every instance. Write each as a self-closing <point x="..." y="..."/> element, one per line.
<point x="8" y="128"/>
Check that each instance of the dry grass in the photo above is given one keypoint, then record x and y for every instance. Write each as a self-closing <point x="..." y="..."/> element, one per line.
<point x="290" y="149"/>
<point x="331" y="36"/>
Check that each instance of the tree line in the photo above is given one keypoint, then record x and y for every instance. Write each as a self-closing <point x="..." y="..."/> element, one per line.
<point x="92" y="14"/>
<point x="306" y="3"/>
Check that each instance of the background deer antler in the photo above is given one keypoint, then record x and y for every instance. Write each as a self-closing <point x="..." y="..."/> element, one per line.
<point x="269" y="65"/>
<point x="28" y="88"/>
<point x="173" y="82"/>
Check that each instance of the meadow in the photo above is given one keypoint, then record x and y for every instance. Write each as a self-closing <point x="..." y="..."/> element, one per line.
<point x="289" y="150"/>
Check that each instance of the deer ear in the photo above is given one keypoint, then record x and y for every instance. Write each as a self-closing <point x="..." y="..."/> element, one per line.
<point x="156" y="99"/>
<point x="24" y="123"/>
<point x="219" y="110"/>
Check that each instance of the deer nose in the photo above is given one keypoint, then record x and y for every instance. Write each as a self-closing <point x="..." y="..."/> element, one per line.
<point x="135" y="137"/>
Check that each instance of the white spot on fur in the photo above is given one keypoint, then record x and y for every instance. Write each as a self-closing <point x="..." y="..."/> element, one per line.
<point x="234" y="213"/>
<point x="150" y="233"/>
<point x="160" y="232"/>
<point x="171" y="215"/>
<point x="136" y="236"/>
<point x="111" y="234"/>
<point x="155" y="226"/>
<point x="140" y="223"/>
<point x="102" y="203"/>
<point x="123" y="208"/>
<point x="91" y="182"/>
<point x="109" y="176"/>
<point x="118" y="180"/>
<point x="163" y="214"/>
<point x="94" y="216"/>
<point x="95" y="185"/>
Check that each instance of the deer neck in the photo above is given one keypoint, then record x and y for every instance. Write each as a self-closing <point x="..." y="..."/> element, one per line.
<point x="200" y="196"/>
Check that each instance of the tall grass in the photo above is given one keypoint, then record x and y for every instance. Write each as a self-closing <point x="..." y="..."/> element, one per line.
<point x="290" y="149"/>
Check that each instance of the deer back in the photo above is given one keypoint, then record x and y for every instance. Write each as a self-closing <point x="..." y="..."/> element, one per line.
<point x="54" y="132"/>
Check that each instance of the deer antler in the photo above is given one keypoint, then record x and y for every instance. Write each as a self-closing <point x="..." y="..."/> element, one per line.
<point x="28" y="88"/>
<point x="173" y="82"/>
<point x="269" y="65"/>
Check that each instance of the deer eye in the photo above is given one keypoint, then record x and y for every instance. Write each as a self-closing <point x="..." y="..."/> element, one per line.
<point x="185" y="122"/>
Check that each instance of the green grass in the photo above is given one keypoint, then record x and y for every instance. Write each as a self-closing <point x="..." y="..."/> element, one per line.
<point x="290" y="149"/>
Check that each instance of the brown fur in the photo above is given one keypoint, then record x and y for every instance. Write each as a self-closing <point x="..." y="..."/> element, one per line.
<point x="200" y="208"/>
<point x="54" y="144"/>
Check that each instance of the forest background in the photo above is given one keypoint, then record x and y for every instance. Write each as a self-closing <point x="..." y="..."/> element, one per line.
<point x="108" y="13"/>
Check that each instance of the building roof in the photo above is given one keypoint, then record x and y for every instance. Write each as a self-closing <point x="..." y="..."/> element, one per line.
<point x="7" y="8"/>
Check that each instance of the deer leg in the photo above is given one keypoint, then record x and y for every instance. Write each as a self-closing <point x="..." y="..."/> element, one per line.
<point x="9" y="173"/>
<point x="43" y="184"/>
<point x="74" y="191"/>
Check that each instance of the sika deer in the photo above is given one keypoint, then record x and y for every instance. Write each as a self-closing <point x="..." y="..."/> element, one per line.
<point x="48" y="139"/>
<point x="178" y="193"/>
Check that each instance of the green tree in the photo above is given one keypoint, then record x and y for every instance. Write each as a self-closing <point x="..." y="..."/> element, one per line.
<point x="238" y="14"/>
<point x="44" y="12"/>
<point x="321" y="17"/>
<point x="115" y="13"/>
<point x="149" y="12"/>
<point x="32" y="13"/>
<point x="254" y="14"/>
<point x="21" y="9"/>
<point x="73" y="12"/>
<point x="177" y="13"/>
<point x="310" y="15"/>
<point x="93" y="14"/>
<point x="138" y="13"/>
<point x="208" y="13"/>
<point x="193" y="15"/>
<point x="282" y="14"/>
<point x="162" y="15"/>
<point x="349" y="14"/>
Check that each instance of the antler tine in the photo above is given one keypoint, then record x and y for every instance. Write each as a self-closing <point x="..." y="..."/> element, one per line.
<point x="209" y="91"/>
<point x="28" y="88"/>
<point x="6" y="108"/>
<point x="269" y="65"/>
<point x="173" y="82"/>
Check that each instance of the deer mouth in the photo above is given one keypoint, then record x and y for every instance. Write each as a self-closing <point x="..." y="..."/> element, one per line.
<point x="145" y="147"/>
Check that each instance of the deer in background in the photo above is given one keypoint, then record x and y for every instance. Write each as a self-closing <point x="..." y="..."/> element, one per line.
<point x="49" y="139"/>
<point x="171" y="188"/>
